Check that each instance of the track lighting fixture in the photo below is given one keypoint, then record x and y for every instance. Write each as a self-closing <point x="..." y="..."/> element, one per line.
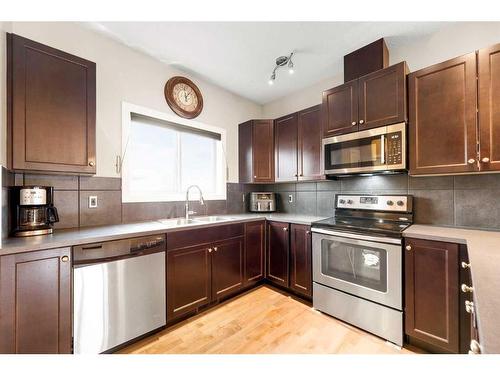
<point x="282" y="61"/>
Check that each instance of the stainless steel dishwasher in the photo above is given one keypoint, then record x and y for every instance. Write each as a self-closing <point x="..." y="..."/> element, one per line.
<point x="118" y="292"/>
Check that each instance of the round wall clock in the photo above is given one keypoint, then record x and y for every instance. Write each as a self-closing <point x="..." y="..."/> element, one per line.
<point x="183" y="97"/>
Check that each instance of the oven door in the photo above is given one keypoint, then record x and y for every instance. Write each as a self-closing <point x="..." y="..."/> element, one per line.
<point x="364" y="268"/>
<point x="368" y="151"/>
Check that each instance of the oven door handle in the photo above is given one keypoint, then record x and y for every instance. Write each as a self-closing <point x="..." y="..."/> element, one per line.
<point x="354" y="236"/>
<point x="382" y="149"/>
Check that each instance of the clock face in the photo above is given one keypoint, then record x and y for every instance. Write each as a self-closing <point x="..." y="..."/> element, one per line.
<point x="183" y="97"/>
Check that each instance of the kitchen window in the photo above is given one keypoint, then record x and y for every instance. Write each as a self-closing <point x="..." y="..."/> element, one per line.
<point x="162" y="155"/>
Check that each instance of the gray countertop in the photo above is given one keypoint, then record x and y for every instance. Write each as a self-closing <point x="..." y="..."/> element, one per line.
<point x="484" y="256"/>
<point x="72" y="237"/>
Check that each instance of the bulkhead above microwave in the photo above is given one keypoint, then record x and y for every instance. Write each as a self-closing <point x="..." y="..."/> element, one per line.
<point x="379" y="150"/>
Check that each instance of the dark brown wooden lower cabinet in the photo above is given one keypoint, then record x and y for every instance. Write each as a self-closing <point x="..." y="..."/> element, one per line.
<point x="432" y="313"/>
<point x="35" y="302"/>
<point x="300" y="259"/>
<point x="255" y="249"/>
<point x="227" y="268"/>
<point x="188" y="280"/>
<point x="278" y="257"/>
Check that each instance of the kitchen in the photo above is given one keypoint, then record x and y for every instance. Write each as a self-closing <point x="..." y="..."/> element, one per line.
<point x="153" y="206"/>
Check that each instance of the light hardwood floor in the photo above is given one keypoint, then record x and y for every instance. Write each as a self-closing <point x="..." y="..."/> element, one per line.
<point x="262" y="321"/>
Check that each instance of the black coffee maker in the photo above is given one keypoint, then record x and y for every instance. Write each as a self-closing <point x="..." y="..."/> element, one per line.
<point x="33" y="210"/>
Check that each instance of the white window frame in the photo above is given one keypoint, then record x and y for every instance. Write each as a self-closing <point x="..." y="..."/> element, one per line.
<point x="128" y="197"/>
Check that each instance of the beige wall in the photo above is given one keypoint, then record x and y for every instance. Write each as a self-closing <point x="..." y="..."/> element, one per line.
<point x="127" y="75"/>
<point x="453" y="40"/>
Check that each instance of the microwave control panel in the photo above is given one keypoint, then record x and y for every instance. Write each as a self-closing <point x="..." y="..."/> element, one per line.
<point x="394" y="155"/>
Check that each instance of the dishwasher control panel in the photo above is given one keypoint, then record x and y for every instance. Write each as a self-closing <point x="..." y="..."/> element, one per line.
<point x="119" y="249"/>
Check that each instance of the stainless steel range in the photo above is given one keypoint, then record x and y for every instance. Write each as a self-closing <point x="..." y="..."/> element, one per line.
<point x="357" y="262"/>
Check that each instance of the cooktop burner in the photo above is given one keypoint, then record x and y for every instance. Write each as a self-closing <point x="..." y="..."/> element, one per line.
<point x="381" y="215"/>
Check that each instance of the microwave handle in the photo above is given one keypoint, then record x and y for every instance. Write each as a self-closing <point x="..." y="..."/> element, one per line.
<point x="382" y="149"/>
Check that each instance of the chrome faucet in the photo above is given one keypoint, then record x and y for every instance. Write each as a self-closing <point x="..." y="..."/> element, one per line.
<point x="202" y="201"/>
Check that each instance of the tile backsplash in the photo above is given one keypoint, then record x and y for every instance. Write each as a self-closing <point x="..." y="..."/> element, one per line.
<point x="71" y="196"/>
<point x="462" y="201"/>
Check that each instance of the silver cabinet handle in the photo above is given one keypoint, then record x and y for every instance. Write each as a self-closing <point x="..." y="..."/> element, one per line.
<point x="215" y="248"/>
<point x="485" y="160"/>
<point x="361" y="122"/>
<point x="64" y="258"/>
<point x="408" y="247"/>
<point x="254" y="176"/>
<point x="465" y="265"/>
<point x="469" y="307"/>
<point x="91" y="163"/>
<point x="466" y="289"/>
<point x="285" y="229"/>
<point x="209" y="249"/>
<point x="471" y="161"/>
<point x="353" y="123"/>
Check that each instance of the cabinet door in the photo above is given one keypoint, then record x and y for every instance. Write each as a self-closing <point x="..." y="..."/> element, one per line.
<point x="340" y="109"/>
<point x="431" y="298"/>
<point x="489" y="108"/>
<point x="263" y="151"/>
<point x="300" y="259"/>
<point x="35" y="308"/>
<point x="277" y="253"/>
<point x="309" y="144"/>
<point x="382" y="97"/>
<point x="443" y="117"/>
<point x="285" y="148"/>
<point x="245" y="162"/>
<point x="51" y="109"/>
<point x="255" y="246"/>
<point x="188" y="280"/>
<point x="227" y="267"/>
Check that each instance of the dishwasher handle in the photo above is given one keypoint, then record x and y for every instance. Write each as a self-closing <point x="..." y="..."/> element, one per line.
<point x="120" y="249"/>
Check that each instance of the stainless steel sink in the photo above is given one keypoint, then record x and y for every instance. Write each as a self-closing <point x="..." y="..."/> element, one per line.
<point x="211" y="219"/>
<point x="175" y="222"/>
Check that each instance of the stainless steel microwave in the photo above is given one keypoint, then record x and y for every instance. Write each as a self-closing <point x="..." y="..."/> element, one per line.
<point x="369" y="151"/>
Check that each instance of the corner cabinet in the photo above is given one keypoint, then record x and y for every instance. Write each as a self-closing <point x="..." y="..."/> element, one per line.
<point x="51" y="109"/>
<point x="256" y="151"/>
<point x="255" y="250"/>
<point x="435" y="317"/>
<point x="374" y="100"/>
<point x="35" y="308"/>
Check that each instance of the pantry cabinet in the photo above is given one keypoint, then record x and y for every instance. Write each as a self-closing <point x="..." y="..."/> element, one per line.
<point x="35" y="308"/>
<point x="374" y="100"/>
<point x="51" y="109"/>
<point x="435" y="315"/>
<point x="256" y="151"/>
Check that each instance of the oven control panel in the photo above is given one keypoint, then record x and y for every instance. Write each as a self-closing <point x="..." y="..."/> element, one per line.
<point x="398" y="203"/>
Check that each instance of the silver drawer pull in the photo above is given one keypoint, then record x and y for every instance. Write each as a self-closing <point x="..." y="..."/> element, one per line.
<point x="469" y="307"/>
<point x="466" y="289"/>
<point x="465" y="265"/>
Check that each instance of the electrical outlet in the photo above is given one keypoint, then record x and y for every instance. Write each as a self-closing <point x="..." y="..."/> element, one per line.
<point x="290" y="198"/>
<point x="93" y="201"/>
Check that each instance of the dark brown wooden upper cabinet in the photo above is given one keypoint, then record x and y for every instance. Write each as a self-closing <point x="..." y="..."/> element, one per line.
<point x="35" y="308"/>
<point x="382" y="97"/>
<point x="309" y="144"/>
<point x="256" y="151"/>
<point x="442" y="106"/>
<point x="489" y="108"/>
<point x="432" y="293"/>
<point x="340" y="109"/>
<point x="300" y="259"/>
<point x="285" y="148"/>
<point x="51" y="109"/>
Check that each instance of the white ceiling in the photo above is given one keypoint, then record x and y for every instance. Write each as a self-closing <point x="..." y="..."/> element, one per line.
<point x="239" y="56"/>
